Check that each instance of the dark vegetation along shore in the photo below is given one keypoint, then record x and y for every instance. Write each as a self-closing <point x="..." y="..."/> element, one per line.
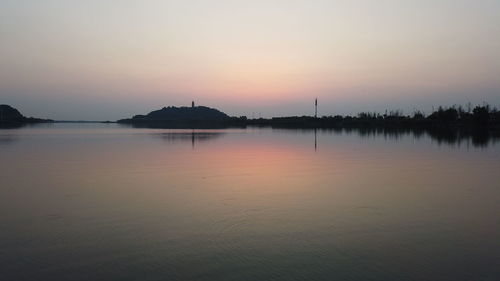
<point x="479" y="117"/>
<point x="479" y="124"/>
<point x="11" y="117"/>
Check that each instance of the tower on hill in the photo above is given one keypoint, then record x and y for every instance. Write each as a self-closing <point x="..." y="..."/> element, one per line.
<point x="316" y="108"/>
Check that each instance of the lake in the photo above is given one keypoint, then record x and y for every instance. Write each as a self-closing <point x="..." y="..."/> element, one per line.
<point x="108" y="202"/>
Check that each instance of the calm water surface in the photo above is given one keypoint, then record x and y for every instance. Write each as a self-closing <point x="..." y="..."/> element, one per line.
<point x="104" y="202"/>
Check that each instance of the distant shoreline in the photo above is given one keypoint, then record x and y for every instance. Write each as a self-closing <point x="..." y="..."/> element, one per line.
<point x="84" y="121"/>
<point x="479" y="118"/>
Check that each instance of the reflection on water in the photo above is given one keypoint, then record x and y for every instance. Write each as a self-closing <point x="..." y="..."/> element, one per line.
<point x="476" y="137"/>
<point x="8" y="138"/>
<point x="106" y="202"/>
<point x="193" y="135"/>
<point x="470" y="137"/>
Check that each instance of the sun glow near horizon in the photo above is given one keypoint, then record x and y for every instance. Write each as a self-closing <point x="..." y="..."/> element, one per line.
<point x="238" y="53"/>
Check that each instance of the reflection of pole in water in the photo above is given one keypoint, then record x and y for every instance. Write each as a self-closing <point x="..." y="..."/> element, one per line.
<point x="192" y="138"/>
<point x="315" y="140"/>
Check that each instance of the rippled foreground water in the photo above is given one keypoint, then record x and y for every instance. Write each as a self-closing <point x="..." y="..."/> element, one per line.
<point x="104" y="202"/>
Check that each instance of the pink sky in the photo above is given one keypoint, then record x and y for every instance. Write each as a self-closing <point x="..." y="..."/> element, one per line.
<point x="103" y="60"/>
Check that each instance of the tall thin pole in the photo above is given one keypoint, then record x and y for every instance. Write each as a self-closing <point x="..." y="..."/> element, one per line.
<point x="316" y="108"/>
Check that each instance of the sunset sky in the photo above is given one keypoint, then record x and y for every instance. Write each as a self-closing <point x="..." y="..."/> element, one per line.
<point x="105" y="60"/>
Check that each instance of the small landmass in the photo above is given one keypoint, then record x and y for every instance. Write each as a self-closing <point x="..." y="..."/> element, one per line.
<point x="9" y="116"/>
<point x="185" y="117"/>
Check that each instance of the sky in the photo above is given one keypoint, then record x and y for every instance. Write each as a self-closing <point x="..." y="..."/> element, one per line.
<point x="106" y="60"/>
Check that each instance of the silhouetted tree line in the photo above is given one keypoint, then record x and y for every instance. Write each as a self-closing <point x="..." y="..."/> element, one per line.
<point x="478" y="125"/>
<point x="481" y="116"/>
<point x="484" y="116"/>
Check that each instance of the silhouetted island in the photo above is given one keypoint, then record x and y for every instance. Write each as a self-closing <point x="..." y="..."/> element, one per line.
<point x="184" y="117"/>
<point x="10" y="116"/>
